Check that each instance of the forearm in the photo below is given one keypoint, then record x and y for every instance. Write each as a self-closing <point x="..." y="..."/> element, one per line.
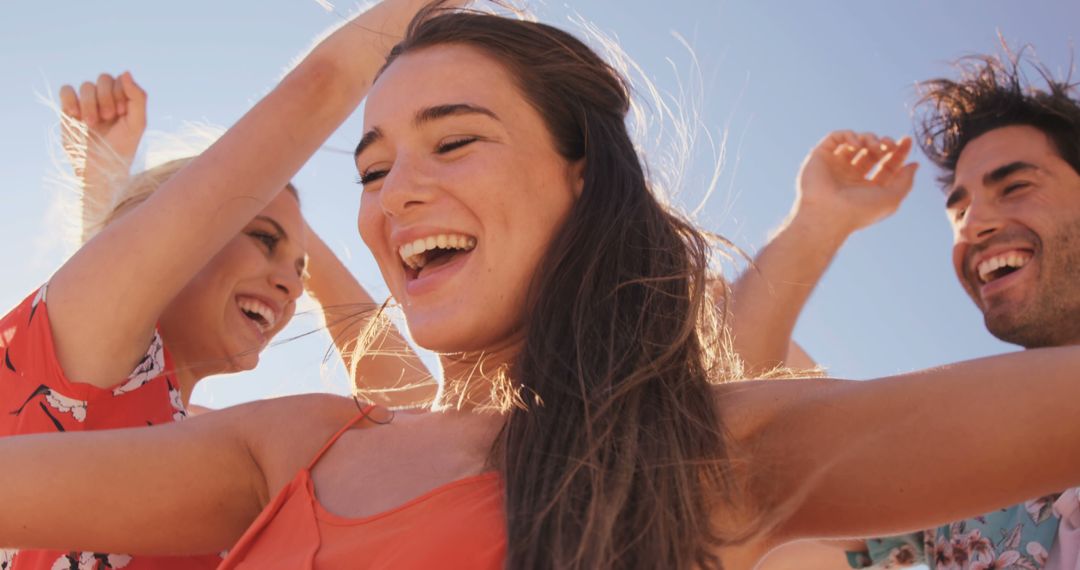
<point x="768" y="297"/>
<point x="103" y="175"/>
<point x="385" y="369"/>
<point x="888" y="456"/>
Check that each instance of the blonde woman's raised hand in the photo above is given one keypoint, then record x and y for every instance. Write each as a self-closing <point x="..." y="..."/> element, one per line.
<point x="103" y="125"/>
<point x="852" y="180"/>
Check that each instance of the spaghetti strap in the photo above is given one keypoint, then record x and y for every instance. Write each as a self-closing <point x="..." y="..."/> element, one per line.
<point x="363" y="414"/>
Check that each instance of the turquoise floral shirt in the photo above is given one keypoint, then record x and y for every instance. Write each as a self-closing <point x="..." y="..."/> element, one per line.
<point x="1017" y="537"/>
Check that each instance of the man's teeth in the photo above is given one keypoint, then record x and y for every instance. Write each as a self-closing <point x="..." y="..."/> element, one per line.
<point x="1014" y="259"/>
<point x="413" y="253"/>
<point x="256" y="307"/>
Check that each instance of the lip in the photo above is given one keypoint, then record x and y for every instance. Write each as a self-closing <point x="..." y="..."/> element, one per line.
<point x="973" y="265"/>
<point x="1001" y="284"/>
<point x="432" y="279"/>
<point x="276" y="307"/>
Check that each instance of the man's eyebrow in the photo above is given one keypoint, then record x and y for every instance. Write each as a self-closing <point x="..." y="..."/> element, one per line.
<point x="369" y="138"/>
<point x="955" y="196"/>
<point x="1002" y="172"/>
<point x="441" y="111"/>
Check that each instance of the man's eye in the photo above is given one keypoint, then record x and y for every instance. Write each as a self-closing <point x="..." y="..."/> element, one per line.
<point x="454" y="144"/>
<point x="1014" y="187"/>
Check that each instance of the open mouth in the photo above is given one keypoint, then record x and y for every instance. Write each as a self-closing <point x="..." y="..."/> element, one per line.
<point x="258" y="312"/>
<point x="1002" y="265"/>
<point x="432" y="252"/>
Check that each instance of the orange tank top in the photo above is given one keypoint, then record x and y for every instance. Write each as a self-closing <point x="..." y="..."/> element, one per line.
<point x="458" y="525"/>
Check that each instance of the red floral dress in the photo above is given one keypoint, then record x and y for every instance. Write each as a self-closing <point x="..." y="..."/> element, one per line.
<point x="36" y="397"/>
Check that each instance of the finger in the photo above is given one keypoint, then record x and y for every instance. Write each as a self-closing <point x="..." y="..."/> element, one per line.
<point x="88" y="104"/>
<point x="106" y="103"/>
<point x="892" y="162"/>
<point x="120" y="97"/>
<point x="904" y="180"/>
<point x="136" y="100"/>
<point x="834" y="140"/>
<point x="69" y="102"/>
<point x="847" y="152"/>
<point x="869" y="155"/>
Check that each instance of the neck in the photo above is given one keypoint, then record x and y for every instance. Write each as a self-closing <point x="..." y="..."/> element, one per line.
<point x="187" y="377"/>
<point x="478" y="380"/>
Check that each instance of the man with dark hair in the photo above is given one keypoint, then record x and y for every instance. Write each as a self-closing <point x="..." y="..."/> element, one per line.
<point x="1010" y="157"/>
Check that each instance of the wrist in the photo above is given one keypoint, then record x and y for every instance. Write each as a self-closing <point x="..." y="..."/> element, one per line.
<point x="825" y="232"/>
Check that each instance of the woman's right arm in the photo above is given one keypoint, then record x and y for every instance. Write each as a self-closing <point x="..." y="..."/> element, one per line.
<point x="105" y="301"/>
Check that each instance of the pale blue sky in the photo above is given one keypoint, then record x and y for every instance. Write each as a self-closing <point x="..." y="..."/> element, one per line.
<point x="777" y="76"/>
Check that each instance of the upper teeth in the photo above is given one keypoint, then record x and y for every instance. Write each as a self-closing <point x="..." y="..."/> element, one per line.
<point x="1015" y="259"/>
<point x="413" y="253"/>
<point x="249" y="305"/>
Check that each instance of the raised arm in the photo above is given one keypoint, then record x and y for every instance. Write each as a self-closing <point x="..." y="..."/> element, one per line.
<point x="834" y="459"/>
<point x="847" y="182"/>
<point x="102" y="319"/>
<point x="385" y="369"/>
<point x="101" y="128"/>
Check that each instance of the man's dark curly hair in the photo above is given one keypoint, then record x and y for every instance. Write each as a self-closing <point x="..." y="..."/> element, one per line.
<point x="992" y="92"/>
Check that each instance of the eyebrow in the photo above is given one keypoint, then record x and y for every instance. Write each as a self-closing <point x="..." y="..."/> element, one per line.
<point x="427" y="115"/>
<point x="301" y="263"/>
<point x="277" y="226"/>
<point x="955" y="196"/>
<point x="995" y="176"/>
<point x="1002" y="172"/>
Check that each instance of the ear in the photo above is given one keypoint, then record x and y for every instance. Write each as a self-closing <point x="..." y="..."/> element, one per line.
<point x="576" y="174"/>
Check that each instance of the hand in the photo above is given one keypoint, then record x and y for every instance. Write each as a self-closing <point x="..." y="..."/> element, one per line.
<point x="114" y="114"/>
<point x="850" y="181"/>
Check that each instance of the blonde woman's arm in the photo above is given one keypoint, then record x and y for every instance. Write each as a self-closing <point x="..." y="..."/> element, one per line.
<point x="101" y="127"/>
<point x="384" y="368"/>
<point x="103" y="318"/>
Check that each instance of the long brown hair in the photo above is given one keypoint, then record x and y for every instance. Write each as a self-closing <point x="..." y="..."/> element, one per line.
<point x="616" y="457"/>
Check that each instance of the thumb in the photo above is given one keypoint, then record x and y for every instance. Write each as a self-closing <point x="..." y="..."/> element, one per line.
<point x="904" y="180"/>
<point x="136" y="99"/>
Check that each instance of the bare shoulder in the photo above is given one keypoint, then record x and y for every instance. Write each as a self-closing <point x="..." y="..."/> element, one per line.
<point x="284" y="434"/>
<point x="748" y="407"/>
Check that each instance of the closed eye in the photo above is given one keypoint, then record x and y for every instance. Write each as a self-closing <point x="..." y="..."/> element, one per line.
<point x="369" y="176"/>
<point x="1014" y="187"/>
<point x="454" y="144"/>
<point x="267" y="239"/>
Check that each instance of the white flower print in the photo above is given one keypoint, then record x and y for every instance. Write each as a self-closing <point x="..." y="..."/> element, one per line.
<point x="1038" y="552"/>
<point x="61" y="403"/>
<point x="150" y="367"/>
<point x="6" y="557"/>
<point x="1040" y="509"/>
<point x="91" y="561"/>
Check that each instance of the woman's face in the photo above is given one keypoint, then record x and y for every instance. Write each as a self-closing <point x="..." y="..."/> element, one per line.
<point x="463" y="193"/>
<point x="243" y="296"/>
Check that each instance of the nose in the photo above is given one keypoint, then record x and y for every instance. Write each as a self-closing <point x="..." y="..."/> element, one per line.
<point x="981" y="220"/>
<point x="286" y="279"/>
<point x="406" y="186"/>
